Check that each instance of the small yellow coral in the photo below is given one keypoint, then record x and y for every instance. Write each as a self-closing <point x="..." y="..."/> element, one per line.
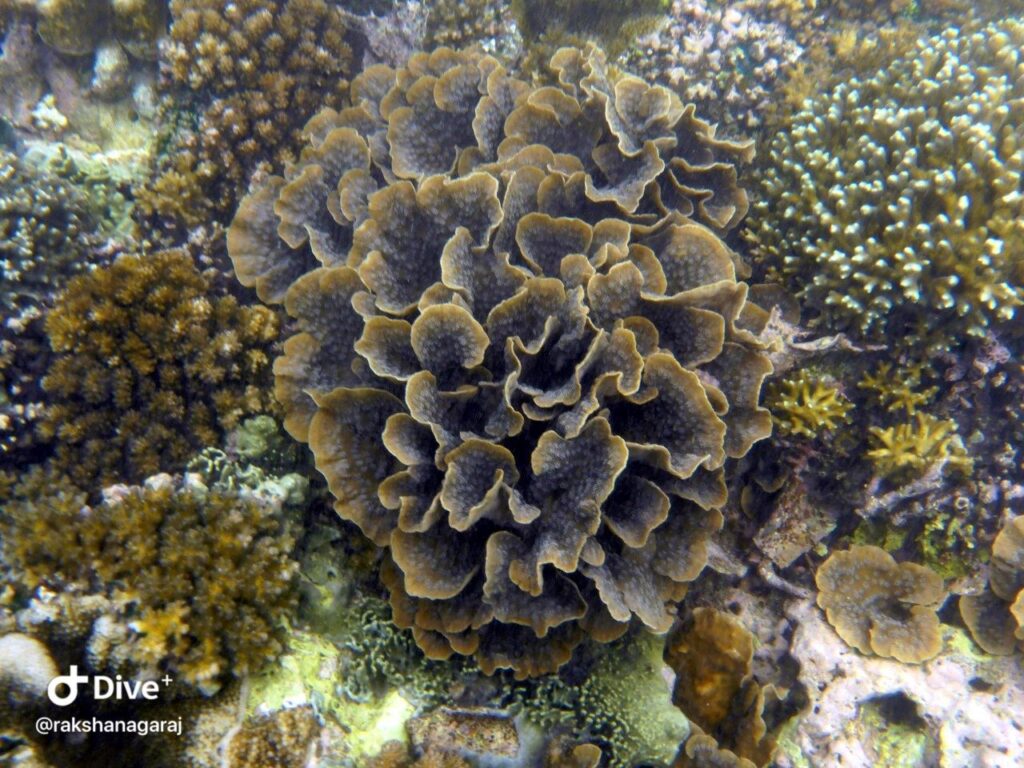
<point x="898" y="390"/>
<point x="910" y="449"/>
<point x="806" y="406"/>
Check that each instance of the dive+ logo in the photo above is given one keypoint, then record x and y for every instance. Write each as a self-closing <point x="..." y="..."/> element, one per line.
<point x="63" y="689"/>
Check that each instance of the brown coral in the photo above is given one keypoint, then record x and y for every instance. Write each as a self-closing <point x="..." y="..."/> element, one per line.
<point x="281" y="739"/>
<point x="995" y="617"/>
<point x="195" y="586"/>
<point x="519" y="366"/>
<point x="147" y="369"/>
<point x="881" y="607"/>
<point x="254" y="71"/>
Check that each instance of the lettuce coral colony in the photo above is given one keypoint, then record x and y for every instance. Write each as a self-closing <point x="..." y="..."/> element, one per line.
<point x="895" y="202"/>
<point x="147" y="369"/>
<point x="523" y="375"/>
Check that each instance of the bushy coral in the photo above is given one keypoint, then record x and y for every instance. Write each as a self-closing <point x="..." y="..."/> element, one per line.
<point x="46" y="234"/>
<point x="520" y="365"/>
<point x="253" y="71"/>
<point x="189" y="585"/>
<point x="806" y="406"/>
<point x="880" y="606"/>
<point x="894" y="200"/>
<point x="728" y="59"/>
<point x="282" y="739"/>
<point x="148" y="368"/>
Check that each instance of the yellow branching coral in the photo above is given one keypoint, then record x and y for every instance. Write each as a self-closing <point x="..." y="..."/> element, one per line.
<point x="806" y="406"/>
<point x="148" y="369"/>
<point x="519" y="363"/>
<point x="198" y="585"/>
<point x="881" y="607"/>
<point x="898" y="390"/>
<point x="909" y="450"/>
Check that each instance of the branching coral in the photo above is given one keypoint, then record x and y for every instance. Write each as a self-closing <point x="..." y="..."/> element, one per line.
<point x="196" y="587"/>
<point x="147" y="369"/>
<point x="806" y="406"/>
<point x="894" y="200"/>
<point x="898" y="389"/>
<point x="519" y="366"/>
<point x="728" y="59"/>
<point x="909" y="450"/>
<point x="47" y="229"/>
<point x="881" y="607"/>
<point x="254" y="71"/>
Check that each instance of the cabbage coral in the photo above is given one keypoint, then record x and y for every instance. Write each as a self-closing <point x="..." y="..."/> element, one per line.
<point x="520" y="366"/>
<point x="894" y="200"/>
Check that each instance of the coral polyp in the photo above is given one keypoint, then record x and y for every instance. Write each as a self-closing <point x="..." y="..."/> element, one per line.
<point x="521" y="367"/>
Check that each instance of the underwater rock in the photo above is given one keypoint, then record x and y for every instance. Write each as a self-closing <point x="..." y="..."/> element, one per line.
<point x="523" y="375"/>
<point x="26" y="668"/>
<point x="964" y="704"/>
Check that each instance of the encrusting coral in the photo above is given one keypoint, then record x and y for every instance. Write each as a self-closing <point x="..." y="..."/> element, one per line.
<point x="195" y="586"/>
<point x="521" y="367"/>
<point x="893" y="200"/>
<point x="995" y="617"/>
<point x="880" y="606"/>
<point x="148" y="369"/>
<point x="806" y="406"/>
<point x="610" y="23"/>
<point x="80" y="27"/>
<point x="254" y="71"/>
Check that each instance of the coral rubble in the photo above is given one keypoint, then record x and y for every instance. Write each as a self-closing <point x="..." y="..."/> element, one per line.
<point x="148" y="369"/>
<point x="523" y="373"/>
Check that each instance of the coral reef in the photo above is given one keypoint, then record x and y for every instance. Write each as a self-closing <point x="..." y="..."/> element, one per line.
<point x="461" y="23"/>
<point x="730" y="60"/>
<point x="527" y="367"/>
<point x="195" y="586"/>
<point x="881" y="607"/>
<point x="148" y="369"/>
<point x="254" y="72"/>
<point x="896" y="208"/>
<point x="806" y="406"/>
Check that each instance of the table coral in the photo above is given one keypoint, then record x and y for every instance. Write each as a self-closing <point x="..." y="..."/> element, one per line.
<point x="881" y="607"/>
<point x="253" y="71"/>
<point x="522" y="374"/>
<point x="894" y="200"/>
<point x="193" y="586"/>
<point x="147" y="369"/>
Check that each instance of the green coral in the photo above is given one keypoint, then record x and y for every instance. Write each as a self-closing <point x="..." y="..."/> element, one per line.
<point x="806" y="406"/>
<point x="908" y="450"/>
<point x="893" y="200"/>
<point x="198" y="586"/>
